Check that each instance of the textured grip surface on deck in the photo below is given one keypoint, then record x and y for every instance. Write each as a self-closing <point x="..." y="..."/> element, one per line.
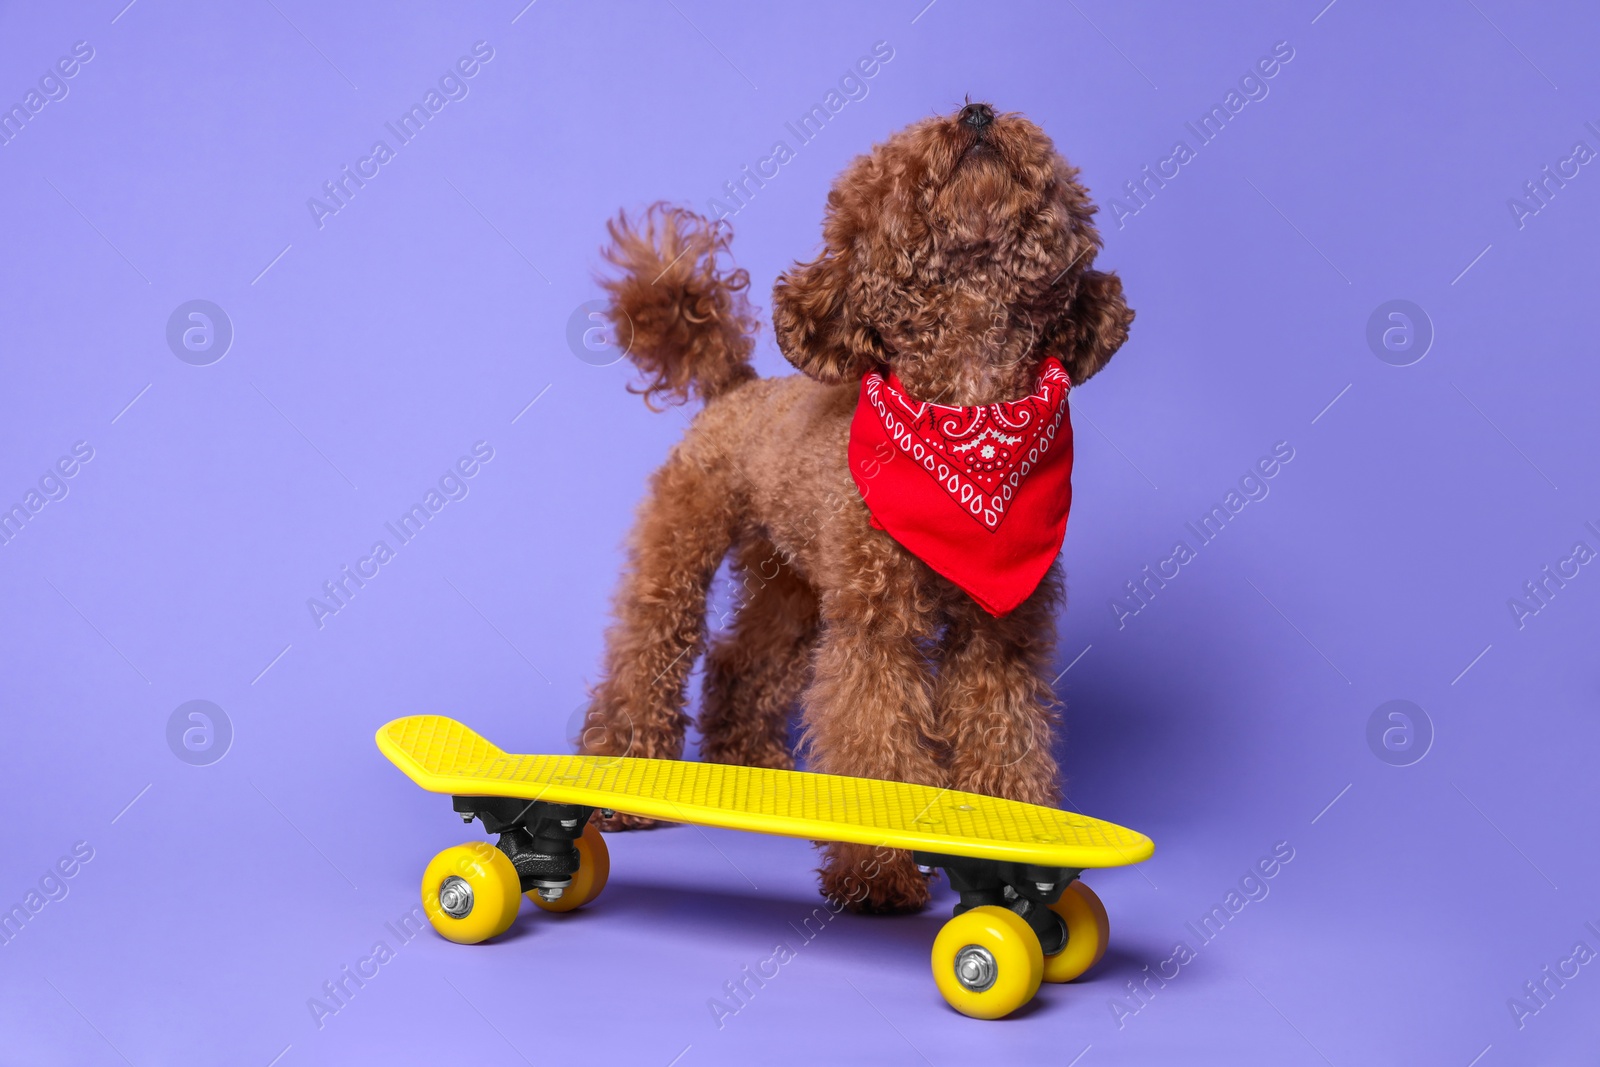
<point x="444" y="756"/>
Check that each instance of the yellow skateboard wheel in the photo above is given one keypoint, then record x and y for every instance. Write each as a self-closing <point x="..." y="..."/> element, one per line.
<point x="471" y="893"/>
<point x="594" y="868"/>
<point x="987" y="962"/>
<point x="1088" y="933"/>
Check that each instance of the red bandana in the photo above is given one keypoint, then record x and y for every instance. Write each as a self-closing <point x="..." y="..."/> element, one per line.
<point x="981" y="494"/>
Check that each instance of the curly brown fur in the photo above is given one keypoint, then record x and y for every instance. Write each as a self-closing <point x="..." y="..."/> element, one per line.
<point x="960" y="259"/>
<point x="755" y="673"/>
<point x="683" y="321"/>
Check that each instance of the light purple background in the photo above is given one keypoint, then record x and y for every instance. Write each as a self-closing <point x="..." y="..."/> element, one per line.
<point x="1225" y="717"/>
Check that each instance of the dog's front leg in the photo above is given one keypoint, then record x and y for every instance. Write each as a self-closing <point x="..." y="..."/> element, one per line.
<point x="869" y="710"/>
<point x="993" y="698"/>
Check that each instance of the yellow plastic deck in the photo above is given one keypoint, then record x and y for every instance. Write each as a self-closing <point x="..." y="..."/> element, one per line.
<point x="443" y="756"/>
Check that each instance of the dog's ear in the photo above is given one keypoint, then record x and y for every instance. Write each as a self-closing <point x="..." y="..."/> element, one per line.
<point x="809" y="319"/>
<point x="1094" y="326"/>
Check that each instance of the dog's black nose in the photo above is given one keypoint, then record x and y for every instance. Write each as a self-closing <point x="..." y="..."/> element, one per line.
<point x="978" y="116"/>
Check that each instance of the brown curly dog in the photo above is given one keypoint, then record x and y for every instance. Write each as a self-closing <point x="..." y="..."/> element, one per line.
<point x="959" y="254"/>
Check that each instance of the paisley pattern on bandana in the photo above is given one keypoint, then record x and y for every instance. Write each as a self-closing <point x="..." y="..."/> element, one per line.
<point x="980" y="494"/>
<point x="978" y="455"/>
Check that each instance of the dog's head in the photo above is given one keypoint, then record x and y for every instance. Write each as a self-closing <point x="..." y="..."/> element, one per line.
<point x="959" y="253"/>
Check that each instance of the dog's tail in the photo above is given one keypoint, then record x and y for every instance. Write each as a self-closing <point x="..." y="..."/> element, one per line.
<point x="683" y="320"/>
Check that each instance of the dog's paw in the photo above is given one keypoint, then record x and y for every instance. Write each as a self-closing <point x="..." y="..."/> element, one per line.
<point x="873" y="884"/>
<point x="620" y="821"/>
<point x="891" y="903"/>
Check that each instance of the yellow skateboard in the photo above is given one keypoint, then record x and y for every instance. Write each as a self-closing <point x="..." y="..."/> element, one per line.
<point x="1023" y="917"/>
